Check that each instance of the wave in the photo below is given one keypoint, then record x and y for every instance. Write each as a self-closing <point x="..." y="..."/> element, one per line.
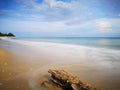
<point x="84" y="52"/>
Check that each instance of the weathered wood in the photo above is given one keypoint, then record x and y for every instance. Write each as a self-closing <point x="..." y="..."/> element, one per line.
<point x="69" y="82"/>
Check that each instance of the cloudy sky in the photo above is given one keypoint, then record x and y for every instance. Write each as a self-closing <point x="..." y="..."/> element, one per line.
<point x="58" y="18"/>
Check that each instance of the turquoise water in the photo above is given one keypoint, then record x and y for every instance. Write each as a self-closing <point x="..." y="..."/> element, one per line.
<point x="113" y="43"/>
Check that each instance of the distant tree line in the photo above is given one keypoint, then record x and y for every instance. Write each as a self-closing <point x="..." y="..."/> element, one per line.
<point x="6" y="35"/>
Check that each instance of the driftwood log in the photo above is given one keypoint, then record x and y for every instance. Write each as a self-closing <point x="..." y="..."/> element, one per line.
<point x="62" y="80"/>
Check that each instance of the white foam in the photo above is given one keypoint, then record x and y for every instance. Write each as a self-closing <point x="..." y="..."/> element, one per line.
<point x="67" y="52"/>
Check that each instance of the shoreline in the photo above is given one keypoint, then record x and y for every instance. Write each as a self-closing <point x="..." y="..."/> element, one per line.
<point x="27" y="42"/>
<point x="31" y="60"/>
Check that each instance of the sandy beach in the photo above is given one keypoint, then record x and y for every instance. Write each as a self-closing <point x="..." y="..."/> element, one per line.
<point x="23" y="64"/>
<point x="59" y="44"/>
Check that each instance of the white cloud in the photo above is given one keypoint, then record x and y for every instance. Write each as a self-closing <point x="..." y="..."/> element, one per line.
<point x="57" y="26"/>
<point x="50" y="16"/>
<point x="104" y="26"/>
<point x="32" y="26"/>
<point x="53" y="10"/>
<point x="104" y="23"/>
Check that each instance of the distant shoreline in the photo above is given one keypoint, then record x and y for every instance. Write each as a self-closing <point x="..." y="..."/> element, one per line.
<point x="7" y="34"/>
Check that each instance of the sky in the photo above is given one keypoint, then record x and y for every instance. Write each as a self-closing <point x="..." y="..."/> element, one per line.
<point x="60" y="18"/>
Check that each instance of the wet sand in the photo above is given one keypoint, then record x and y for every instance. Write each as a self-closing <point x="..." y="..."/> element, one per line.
<point x="15" y="71"/>
<point x="22" y="67"/>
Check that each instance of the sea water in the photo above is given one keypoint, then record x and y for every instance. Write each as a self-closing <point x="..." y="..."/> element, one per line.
<point x="104" y="42"/>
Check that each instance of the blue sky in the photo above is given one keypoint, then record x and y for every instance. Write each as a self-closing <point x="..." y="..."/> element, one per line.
<point x="45" y="18"/>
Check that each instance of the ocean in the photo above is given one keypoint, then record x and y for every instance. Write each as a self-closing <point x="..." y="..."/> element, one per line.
<point x="103" y="42"/>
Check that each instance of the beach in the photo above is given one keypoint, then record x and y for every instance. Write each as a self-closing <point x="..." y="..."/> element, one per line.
<point x="24" y="64"/>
